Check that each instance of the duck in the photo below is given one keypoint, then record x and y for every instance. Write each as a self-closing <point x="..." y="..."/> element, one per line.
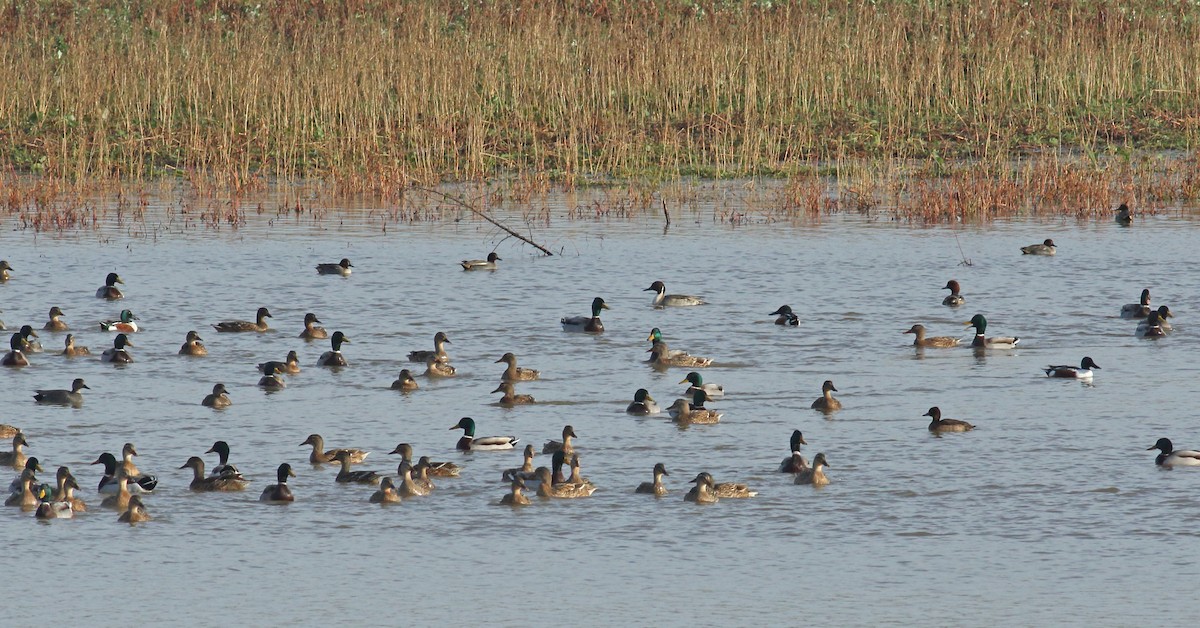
<point x="405" y="382"/>
<point x="110" y="290"/>
<point x="714" y="391"/>
<point x="656" y="487"/>
<point x="954" y="299"/>
<point x="563" y="445"/>
<point x="795" y="462"/>
<point x="408" y="486"/>
<point x="1164" y="313"/>
<point x="469" y="442"/>
<point x="438" y="354"/>
<point x="816" y="474"/>
<point x="785" y="316"/>
<point x="656" y="339"/>
<point x="120" y="499"/>
<point x="59" y="506"/>
<point x="218" y="398"/>
<point x="386" y="494"/>
<point x="289" y="365"/>
<point x="662" y="299"/>
<point x="341" y="268"/>
<point x="15" y="458"/>
<point x="980" y="325"/>
<point x="8" y="431"/>
<point x="126" y="323"/>
<point x="515" y="373"/>
<point x="575" y="478"/>
<point x="515" y="497"/>
<point x="481" y="264"/>
<point x="733" y="490"/>
<point x="135" y="512"/>
<point x="1170" y="457"/>
<point x="202" y="483"/>
<point x="704" y="491"/>
<point x="1124" y="216"/>
<point x="826" y="402"/>
<point x="27" y="498"/>
<point x="525" y="471"/>
<point x="56" y="322"/>
<point x="4" y="271"/>
<point x="420" y="475"/>
<point x="1047" y="247"/>
<point x="687" y="413"/>
<point x="72" y="350"/>
<point x="1141" y="309"/>
<point x="922" y="340"/>
<point x="1151" y="327"/>
<point x="27" y="335"/>
<point x="586" y="324"/>
<point x="128" y="451"/>
<point x="661" y="356"/>
<point x="320" y="455"/>
<point x="346" y="476"/>
<point x="108" y="482"/>
<point x="223" y="468"/>
<point x="61" y="397"/>
<point x="937" y="424"/>
<point x="547" y="489"/>
<point x="433" y="368"/>
<point x="16" y="353"/>
<point x="510" y="398"/>
<point x="273" y="379"/>
<point x="311" y="331"/>
<point x="31" y="464"/>
<point x="1083" y="371"/>
<point x="642" y="404"/>
<point x="259" y="325"/>
<point x="334" y="356"/>
<point x="437" y="469"/>
<point x="193" y="345"/>
<point x="118" y="354"/>
<point x="279" y="492"/>
<point x="66" y="490"/>
<point x="54" y="509"/>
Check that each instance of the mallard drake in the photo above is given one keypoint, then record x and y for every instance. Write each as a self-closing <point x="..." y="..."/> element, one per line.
<point x="515" y="373"/>
<point x="468" y="442"/>
<point x="954" y="299"/>
<point x="27" y="337"/>
<point x="586" y="324"/>
<point x="279" y="492"/>
<point x="686" y="413"/>
<point x="135" y="512"/>
<point x="320" y="455"/>
<point x="289" y="365"/>
<point x="1169" y="457"/>
<point x="1047" y="247"/>
<point x="110" y="290"/>
<point x="437" y="469"/>
<point x="980" y="325"/>
<point x="1124" y="216"/>
<point x="704" y="491"/>
<point x="311" y="331"/>
<point x="1141" y="309"/>
<point x="481" y="264"/>
<point x="937" y="424"/>
<point x="433" y="368"/>
<point x="655" y="337"/>
<point x="346" y="476"/>
<point x="16" y="457"/>
<point x="55" y="323"/>
<point x="826" y="402"/>
<point x="218" y="399"/>
<point x="795" y="462"/>
<point x="118" y="354"/>
<point x="108" y="483"/>
<point x="547" y="489"/>
<point x="438" y="353"/>
<point x="59" y="506"/>
<point x="1083" y="371"/>
<point x="408" y="486"/>
<point x="125" y="323"/>
<point x="922" y="340"/>
<point x="386" y="494"/>
<point x="27" y="498"/>
<point x="815" y="475"/>
<point x="697" y="382"/>
<point x="643" y="403"/>
<point x="563" y="445"/>
<point x="786" y="316"/>
<point x="54" y="510"/>
<point x="194" y="345"/>
<point x="1151" y="327"/>
<point x="273" y="379"/>
<point x="71" y="350"/>
<point x="405" y="382"/>
<point x="420" y="475"/>
<point x="334" y="356"/>
<point x="16" y="353"/>
<point x="656" y="487"/>
<point x="510" y="398"/>
<point x="341" y="268"/>
<point x="525" y="471"/>
<point x="733" y="490"/>
<point x="202" y="483"/>
<point x="661" y="356"/>
<point x="662" y="299"/>
<point x="260" y="323"/>
<point x="4" y="268"/>
<point x="515" y="497"/>
<point x="1164" y="313"/>
<point x="61" y="397"/>
<point x="223" y="468"/>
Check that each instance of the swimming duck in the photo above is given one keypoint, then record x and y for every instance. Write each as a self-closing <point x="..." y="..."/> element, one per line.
<point x="236" y="326"/>
<point x="656" y="339"/>
<point x="643" y="403"/>
<point x="54" y="510"/>
<point x="575" y="478"/>
<point x="386" y="494"/>
<point x="71" y="350"/>
<point x="547" y="489"/>
<point x="290" y="365"/>
<point x="525" y="471"/>
<point x="1083" y="371"/>
<point x="1164" y="313"/>
<point x="135" y="512"/>
<point x="55" y="323"/>
<point x="656" y="487"/>
<point x="1124" y="216"/>
<point x="194" y="345"/>
<point x="279" y="492"/>
<point x="8" y="431"/>
<point x="60" y="397"/>
<point x="931" y="341"/>
<point x="108" y="483"/>
<point x="128" y="451"/>
<point x="320" y="455"/>
<point x="786" y="316"/>
<point x="110" y="290"/>
<point x="584" y="323"/>
<point x="223" y="468"/>
<point x="125" y="323"/>
<point x="980" y="325"/>
<point x="405" y="382"/>
<point x="273" y="379"/>
<point x="686" y="413"/>
<point x="1170" y="457"/>
<point x="438" y="353"/>
<point x="420" y="475"/>
<point x="795" y="462"/>
<point x="120" y="500"/>
<point x="938" y="424"/>
<point x="66" y="490"/>
<point x="408" y="486"/>
<point x="202" y="483"/>
<point x="437" y="469"/>
<point x="1137" y="310"/>
<point x="1151" y="327"/>
<point x="733" y="490"/>
<point x="703" y="492"/>
<point x="433" y="368"/>
<point x="4" y="268"/>
<point x="16" y="457"/>
<point x="662" y="299"/>
<point x="59" y="506"/>
<point x="468" y="442"/>
<point x="661" y="356"/>
<point x="334" y="356"/>
<point x="27" y="337"/>
<point x="515" y="373"/>
<point x="515" y="497"/>
<point x="346" y="476"/>
<point x="27" y="498"/>
<point x="815" y="475"/>
<point x="341" y="268"/>
<point x="714" y="391"/>
<point x="563" y="445"/>
<point x="481" y="264"/>
<point x="218" y="399"/>
<point x="826" y="402"/>
<point x="118" y="354"/>
<point x="311" y="331"/>
<point x="954" y="299"/>
<point x="510" y="398"/>
<point x="31" y="464"/>
<point x="16" y="353"/>
<point x="1045" y="248"/>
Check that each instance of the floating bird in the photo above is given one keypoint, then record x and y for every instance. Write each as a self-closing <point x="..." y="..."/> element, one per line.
<point x="733" y="490"/>
<point x="515" y="373"/>
<point x="409" y="487"/>
<point x="27" y="336"/>
<point x="687" y="413"/>
<point x="218" y="399"/>
<point x="438" y="354"/>
<point x="31" y="464"/>
<point x="405" y="382"/>
<point x="656" y="487"/>
<point x="125" y="323"/>
<point x="661" y="356"/>
<point x="334" y="356"/>
<point x="4" y="268"/>
<point x="1045" y="248"/>
<point x="704" y="491"/>
<point x="1164" y="313"/>
<point x="138" y="481"/>
<point x="786" y="317"/>
<point x="549" y="490"/>
<point x="469" y="442"/>
<point x="1169" y="457"/>
<point x="814" y="475"/>
<point x="386" y="494"/>
<point x="118" y="354"/>
<point x="61" y="397"/>
<point x="794" y="462"/>
<point x="135" y="512"/>
<point x="259" y="325"/>
<point x="16" y="353"/>
<point x="1151" y="327"/>
<point x="1124" y="216"/>
<point x="223" y="468"/>
<point x="954" y="299"/>
<point x="480" y="264"/>
<point x="110" y="290"/>
<point x="662" y="299"/>
<point x="320" y="455"/>
<point x="980" y="325"/>
<point x="346" y="476"/>
<point x="515" y="497"/>
<point x="193" y="345"/>
<point x="26" y="499"/>
<point x="438" y="469"/>
<point x="1141" y="309"/>
<point x="341" y="268"/>
<point x="290" y="364"/>
<point x="510" y="398"/>
<point x="273" y="377"/>
<point x="55" y="323"/>
<point x="1083" y="371"/>
<point x="586" y="324"/>
<point x="643" y="403"/>
<point x="697" y="382"/>
<point x="932" y="341"/>
<point x="525" y="471"/>
<point x="563" y="445"/>
<point x="72" y="350"/>
<point x="16" y="457"/>
<point x="826" y="402"/>
<point x="938" y="424"/>
<point x="202" y="483"/>
<point x="311" y="331"/>
<point x="279" y="492"/>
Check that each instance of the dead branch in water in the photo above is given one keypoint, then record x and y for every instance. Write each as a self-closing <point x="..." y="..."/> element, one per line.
<point x="478" y="212"/>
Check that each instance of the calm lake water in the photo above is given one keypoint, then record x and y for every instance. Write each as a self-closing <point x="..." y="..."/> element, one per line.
<point x="1050" y="512"/>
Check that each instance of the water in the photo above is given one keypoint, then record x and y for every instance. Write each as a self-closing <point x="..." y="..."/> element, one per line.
<point x="1051" y="512"/>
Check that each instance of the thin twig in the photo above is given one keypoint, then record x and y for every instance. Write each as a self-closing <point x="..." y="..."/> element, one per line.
<point x="458" y="201"/>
